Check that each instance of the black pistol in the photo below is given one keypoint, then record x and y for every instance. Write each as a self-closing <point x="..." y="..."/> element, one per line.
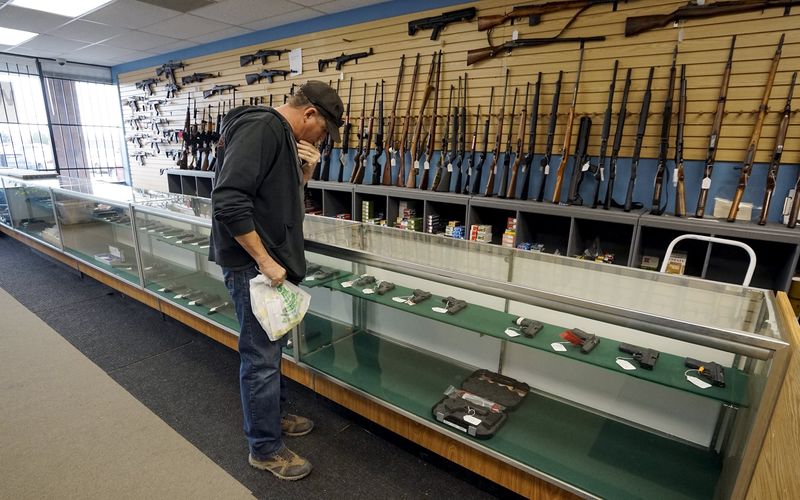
<point x="646" y="357"/>
<point x="710" y="370"/>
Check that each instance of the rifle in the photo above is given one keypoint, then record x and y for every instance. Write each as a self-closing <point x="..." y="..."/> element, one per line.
<point x="680" y="177"/>
<point x="186" y="136"/>
<point x="423" y="181"/>
<point x="476" y="183"/>
<point x="462" y="138"/>
<point x="376" y="165"/>
<point x="793" y="212"/>
<point x="327" y="150"/>
<point x="386" y="178"/>
<point x="219" y="90"/>
<point x="772" y="172"/>
<point x="155" y="105"/>
<point x="750" y="155"/>
<point x="215" y="135"/>
<point x="345" y="133"/>
<point x="568" y="134"/>
<point x="401" y="171"/>
<point x="358" y="173"/>
<point x="438" y="23"/>
<point x="132" y="102"/>
<point x="263" y="55"/>
<point x="141" y="155"/>
<point x="536" y="11"/>
<point x="478" y="55"/>
<point x="601" y="159"/>
<point x="511" y="192"/>
<point x="147" y="84"/>
<point x="168" y="69"/>
<point x="551" y="134"/>
<point x="340" y="60"/>
<point x="637" y="147"/>
<point x="268" y="74"/>
<point x="638" y="24"/>
<point x="471" y="157"/>
<point x="528" y="161"/>
<point x="411" y="180"/>
<point x="368" y="137"/>
<point x="581" y="161"/>
<point x="443" y="185"/>
<point x="207" y="140"/>
<point x="503" y="182"/>
<point x="713" y="138"/>
<point x="441" y="170"/>
<point x="197" y="77"/>
<point x="663" y="150"/>
<point x="489" y="189"/>
<point x="172" y="90"/>
<point x="612" y="164"/>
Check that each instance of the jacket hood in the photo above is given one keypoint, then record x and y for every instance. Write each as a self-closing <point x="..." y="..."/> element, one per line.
<point x="240" y="114"/>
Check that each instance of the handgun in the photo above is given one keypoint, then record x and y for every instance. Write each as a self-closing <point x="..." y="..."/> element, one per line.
<point x="708" y="369"/>
<point x="577" y="337"/>
<point x="646" y="357"/>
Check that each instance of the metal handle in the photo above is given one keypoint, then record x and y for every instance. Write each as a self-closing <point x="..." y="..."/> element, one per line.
<point x="713" y="239"/>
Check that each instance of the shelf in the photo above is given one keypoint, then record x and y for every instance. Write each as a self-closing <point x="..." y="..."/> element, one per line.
<point x="200" y="282"/>
<point x="720" y="227"/>
<point x="669" y="370"/>
<point x="596" y="454"/>
<point x="130" y="276"/>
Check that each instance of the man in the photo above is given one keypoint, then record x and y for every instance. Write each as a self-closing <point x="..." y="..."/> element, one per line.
<point x="267" y="157"/>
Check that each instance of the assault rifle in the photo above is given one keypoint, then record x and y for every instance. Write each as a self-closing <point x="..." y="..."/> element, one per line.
<point x="197" y="78"/>
<point x="268" y="74"/>
<point x="601" y="159"/>
<point x="462" y="137"/>
<point x="476" y="182"/>
<point x="638" y="24"/>
<point x="637" y="147"/>
<point x="345" y="133"/>
<point x="141" y="155"/>
<point x="185" y="136"/>
<point x="581" y="161"/>
<point x="376" y="164"/>
<point x="750" y="155"/>
<point x="713" y="138"/>
<point x="438" y="23"/>
<point x="511" y="191"/>
<point x="775" y="162"/>
<point x="544" y="163"/>
<point x="568" y="133"/>
<point x="489" y="189"/>
<point x="401" y="171"/>
<point x="263" y="55"/>
<point x="132" y="102"/>
<point x="502" y="184"/>
<point x="172" y="90"/>
<point x="535" y="12"/>
<point x="340" y="60"/>
<point x="478" y="55"/>
<point x="357" y="173"/>
<point x="411" y="180"/>
<point x="386" y="178"/>
<point x="423" y="181"/>
<point x="663" y="150"/>
<point x="147" y="84"/>
<point x="168" y="69"/>
<point x="219" y="90"/>
<point x="680" y="177"/>
<point x="442" y="172"/>
<point x="528" y="161"/>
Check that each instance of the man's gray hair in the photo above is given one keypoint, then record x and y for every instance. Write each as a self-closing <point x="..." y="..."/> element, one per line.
<point x="299" y="100"/>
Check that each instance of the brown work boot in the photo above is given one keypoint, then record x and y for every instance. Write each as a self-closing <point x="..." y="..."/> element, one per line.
<point x="285" y="464"/>
<point x="295" y="425"/>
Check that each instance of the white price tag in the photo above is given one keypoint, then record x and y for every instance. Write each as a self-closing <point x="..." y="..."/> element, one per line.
<point x="309" y="278"/>
<point x="585" y="167"/>
<point x="699" y="383"/>
<point x="394" y="162"/>
<point x="674" y="181"/>
<point x="416" y="164"/>
<point x="347" y="284"/>
<point x="368" y="291"/>
<point x="449" y="167"/>
<point x="399" y="299"/>
<point x="547" y="169"/>
<point x="440" y="310"/>
<point x="558" y="347"/>
<point x="426" y="165"/>
<point x="512" y="333"/>
<point x="706" y="184"/>
<point x="602" y="174"/>
<point x="116" y="252"/>
<point x="514" y="35"/>
<point x="472" y="420"/>
<point x="625" y="364"/>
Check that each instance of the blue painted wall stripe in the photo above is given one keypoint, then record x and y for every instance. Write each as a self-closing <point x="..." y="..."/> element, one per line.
<point x="321" y="23"/>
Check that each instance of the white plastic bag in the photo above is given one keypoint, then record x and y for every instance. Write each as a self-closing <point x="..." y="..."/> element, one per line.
<point x="279" y="309"/>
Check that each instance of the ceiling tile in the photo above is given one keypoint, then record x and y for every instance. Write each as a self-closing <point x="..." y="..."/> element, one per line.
<point x="99" y="51"/>
<point x="310" y="3"/>
<point x="138" y="40"/>
<point x="85" y="31"/>
<point x="171" y="47"/>
<point x="221" y="35"/>
<point x="52" y="43"/>
<point x="185" y="26"/>
<point x="342" y="5"/>
<point x="244" y="11"/>
<point x="291" y="17"/>
<point x="130" y="14"/>
<point x="33" y="53"/>
<point x="30" y="20"/>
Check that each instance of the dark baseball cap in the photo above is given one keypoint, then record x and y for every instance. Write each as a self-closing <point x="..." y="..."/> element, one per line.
<point x="327" y="101"/>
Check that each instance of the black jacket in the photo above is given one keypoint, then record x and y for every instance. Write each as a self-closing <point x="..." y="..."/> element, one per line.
<point x="258" y="186"/>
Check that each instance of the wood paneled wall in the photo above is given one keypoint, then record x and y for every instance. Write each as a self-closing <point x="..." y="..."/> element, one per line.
<point x="702" y="45"/>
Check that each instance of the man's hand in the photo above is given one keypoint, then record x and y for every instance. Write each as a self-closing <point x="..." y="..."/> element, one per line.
<point x="273" y="271"/>
<point x="309" y="155"/>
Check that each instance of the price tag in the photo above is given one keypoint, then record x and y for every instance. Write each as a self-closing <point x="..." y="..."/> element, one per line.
<point x="394" y="162"/>
<point x="514" y="35"/>
<point x="416" y="164"/>
<point x="512" y="333"/>
<point x="399" y="299"/>
<point x="440" y="310"/>
<point x="625" y="364"/>
<point x="699" y="383"/>
<point x="116" y="252"/>
<point x="585" y="167"/>
<point x="674" y="181"/>
<point x="706" y="184"/>
<point x="558" y="347"/>
<point x="602" y="174"/>
<point x="449" y="167"/>
<point x="347" y="284"/>
<point x="368" y="291"/>
<point x="426" y="165"/>
<point x="547" y="169"/>
<point x="472" y="420"/>
<point x="309" y="278"/>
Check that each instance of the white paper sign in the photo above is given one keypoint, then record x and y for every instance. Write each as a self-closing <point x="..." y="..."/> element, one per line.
<point x="558" y="347"/>
<point x="699" y="383"/>
<point x="296" y="61"/>
<point x="625" y="364"/>
<point x="116" y="252"/>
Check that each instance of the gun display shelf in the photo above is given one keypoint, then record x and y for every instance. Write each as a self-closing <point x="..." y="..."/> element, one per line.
<point x="190" y="182"/>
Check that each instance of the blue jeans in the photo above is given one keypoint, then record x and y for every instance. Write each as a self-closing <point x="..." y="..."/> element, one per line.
<point x="260" y="382"/>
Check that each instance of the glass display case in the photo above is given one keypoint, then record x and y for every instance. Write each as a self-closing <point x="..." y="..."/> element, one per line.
<point x="642" y="385"/>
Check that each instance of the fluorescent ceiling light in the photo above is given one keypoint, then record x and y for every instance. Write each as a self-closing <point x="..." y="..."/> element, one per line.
<point x="14" y="37"/>
<point x="69" y="8"/>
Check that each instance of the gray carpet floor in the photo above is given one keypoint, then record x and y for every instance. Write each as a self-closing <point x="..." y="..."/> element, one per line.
<point x="190" y="382"/>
